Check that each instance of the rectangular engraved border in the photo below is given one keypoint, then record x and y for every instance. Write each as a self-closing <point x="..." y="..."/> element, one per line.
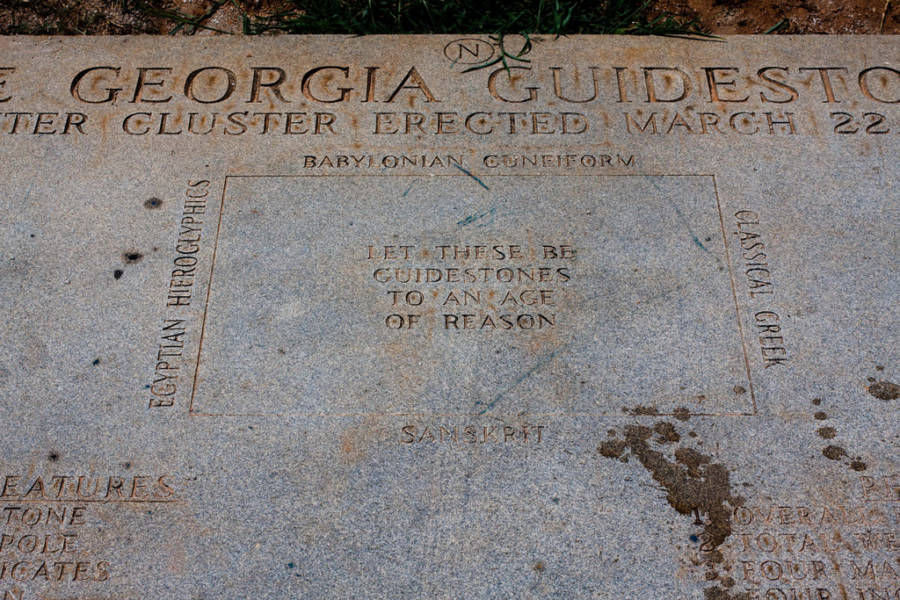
<point x="737" y="311"/>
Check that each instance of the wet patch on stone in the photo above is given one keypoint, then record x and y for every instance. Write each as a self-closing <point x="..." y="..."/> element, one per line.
<point x="694" y="485"/>
<point x="833" y="451"/>
<point x="826" y="433"/>
<point x="682" y="414"/>
<point x="884" y="390"/>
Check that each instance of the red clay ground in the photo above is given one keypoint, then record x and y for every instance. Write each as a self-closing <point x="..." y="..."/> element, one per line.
<point x="88" y="17"/>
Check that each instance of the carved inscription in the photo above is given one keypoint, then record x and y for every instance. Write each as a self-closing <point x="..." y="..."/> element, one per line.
<point x="822" y="551"/>
<point x="472" y="287"/>
<point x="168" y="369"/>
<point x="451" y="296"/>
<point x="536" y="99"/>
<point x="47" y="522"/>
<point x="758" y="283"/>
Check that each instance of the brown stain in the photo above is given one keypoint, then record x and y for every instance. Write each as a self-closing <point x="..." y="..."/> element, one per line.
<point x="820" y="416"/>
<point x="694" y="485"/>
<point x="884" y="390"/>
<point x="346" y="444"/>
<point x="613" y="449"/>
<point x="826" y="433"/>
<point x="640" y="411"/>
<point x="354" y="442"/>
<point x="666" y="432"/>
<point x="682" y="414"/>
<point x="834" y="452"/>
<point x="718" y="593"/>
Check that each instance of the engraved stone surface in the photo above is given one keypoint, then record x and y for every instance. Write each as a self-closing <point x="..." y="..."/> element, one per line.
<point x="335" y="317"/>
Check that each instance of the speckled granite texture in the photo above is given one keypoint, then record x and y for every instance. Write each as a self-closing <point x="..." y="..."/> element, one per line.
<point x="333" y="317"/>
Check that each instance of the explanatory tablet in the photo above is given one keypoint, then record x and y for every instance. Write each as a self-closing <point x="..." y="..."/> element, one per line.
<point x="450" y="317"/>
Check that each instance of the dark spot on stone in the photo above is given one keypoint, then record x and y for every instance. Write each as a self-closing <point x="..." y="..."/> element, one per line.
<point x="711" y="576"/>
<point x="153" y="203"/>
<point x="717" y="593"/>
<point x="666" y="432"/>
<point x="691" y="459"/>
<point x="53" y="457"/>
<point x="643" y="411"/>
<point x="858" y="465"/>
<point x="694" y="485"/>
<point x="879" y="367"/>
<point x="884" y="390"/>
<point x="739" y="389"/>
<point x="820" y="416"/>
<point x="709" y="239"/>
<point x="95" y="362"/>
<point x="612" y="448"/>
<point x="816" y="401"/>
<point x="132" y="257"/>
<point x="117" y="274"/>
<point x="281" y="351"/>
<point x="692" y="434"/>
<point x="681" y="413"/>
<point x="871" y="379"/>
<point x="554" y="500"/>
<point x="694" y="538"/>
<point x="826" y="433"/>
<point x="834" y="452"/>
<point x="539" y="566"/>
<point x="290" y="565"/>
<point x="32" y="235"/>
<point x="728" y="581"/>
<point x="126" y="465"/>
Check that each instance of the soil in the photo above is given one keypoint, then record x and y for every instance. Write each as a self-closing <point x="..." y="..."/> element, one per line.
<point x="93" y="17"/>
<point x="789" y="16"/>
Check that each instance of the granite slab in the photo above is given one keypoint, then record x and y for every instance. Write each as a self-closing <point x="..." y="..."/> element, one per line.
<point x="450" y="317"/>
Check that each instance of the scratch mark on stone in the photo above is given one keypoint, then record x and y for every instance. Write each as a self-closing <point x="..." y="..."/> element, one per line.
<point x="472" y="218"/>
<point x="542" y="362"/>
<point x="687" y="226"/>
<point x="469" y="173"/>
<point x="684" y="221"/>
<point x="407" y="190"/>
